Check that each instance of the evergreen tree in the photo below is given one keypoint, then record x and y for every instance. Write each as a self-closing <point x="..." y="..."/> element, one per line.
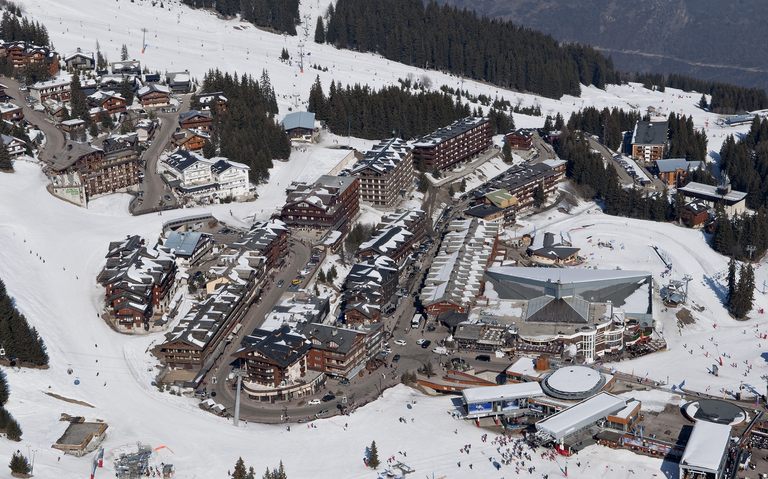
<point x="559" y="123"/>
<point x="731" y="280"/>
<point x="240" y="471"/>
<point x="251" y="473"/>
<point x="703" y="102"/>
<point x="284" y="55"/>
<point x="19" y="339"/>
<point x="321" y="276"/>
<point x="423" y="183"/>
<point x="19" y="464"/>
<point x="77" y="100"/>
<point x="548" y="124"/>
<point x="4" y="392"/>
<point x="373" y="456"/>
<point x="317" y="99"/>
<point x="506" y="152"/>
<point x="126" y="91"/>
<point x="320" y="31"/>
<point x="124" y="52"/>
<point x="13" y="430"/>
<point x="6" y="164"/>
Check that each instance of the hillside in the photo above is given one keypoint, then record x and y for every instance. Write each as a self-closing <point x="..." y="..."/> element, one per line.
<point x="708" y="39"/>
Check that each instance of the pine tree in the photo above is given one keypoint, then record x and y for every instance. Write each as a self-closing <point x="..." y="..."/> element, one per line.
<point x="506" y="152"/>
<point x="4" y="392"/>
<point x="321" y="276"/>
<point x="373" y="456"/>
<point x="539" y="196"/>
<point x="251" y="473"/>
<point x="731" y="279"/>
<point x="13" y="430"/>
<point x="320" y="31"/>
<point x="19" y="464"/>
<point x="126" y="91"/>
<point x="240" y="472"/>
<point x="284" y="55"/>
<point x="423" y="183"/>
<point x="77" y="101"/>
<point x="6" y="164"/>
<point x="548" y="124"/>
<point x="317" y="100"/>
<point x="124" y="52"/>
<point x="703" y="102"/>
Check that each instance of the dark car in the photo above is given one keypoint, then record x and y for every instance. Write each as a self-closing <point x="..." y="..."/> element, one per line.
<point x="328" y="397"/>
<point x="426" y="344"/>
<point x="483" y="357"/>
<point x="343" y="381"/>
<point x="395" y="358"/>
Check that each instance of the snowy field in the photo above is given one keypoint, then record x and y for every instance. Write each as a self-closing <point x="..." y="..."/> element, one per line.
<point x="182" y="39"/>
<point x="61" y="299"/>
<point x="52" y="252"/>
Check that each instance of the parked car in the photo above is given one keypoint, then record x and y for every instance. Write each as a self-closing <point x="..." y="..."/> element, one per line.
<point x="400" y="342"/>
<point x="329" y="397"/>
<point x="280" y="283"/>
<point x="441" y="351"/>
<point x="395" y="358"/>
<point x="314" y="402"/>
<point x="296" y="281"/>
<point x="426" y="344"/>
<point x="343" y="381"/>
<point x="421" y="341"/>
<point x="483" y="357"/>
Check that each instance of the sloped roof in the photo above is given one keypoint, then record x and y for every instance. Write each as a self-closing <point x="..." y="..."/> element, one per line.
<point x="299" y="119"/>
<point x="650" y="133"/>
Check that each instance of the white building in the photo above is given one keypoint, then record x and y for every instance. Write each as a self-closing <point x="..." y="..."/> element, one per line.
<point x="706" y="451"/>
<point x="201" y="178"/>
<point x="57" y="89"/>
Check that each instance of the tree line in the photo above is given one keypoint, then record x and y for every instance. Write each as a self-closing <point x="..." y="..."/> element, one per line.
<point x="279" y="15"/>
<point x="607" y="124"/>
<point x="20" y="341"/>
<point x="746" y="163"/>
<point x="684" y="140"/>
<point x="458" y="41"/>
<point x="247" y="131"/>
<point x="14" y="27"/>
<point x="364" y="112"/>
<point x="243" y="472"/>
<point x="726" y="98"/>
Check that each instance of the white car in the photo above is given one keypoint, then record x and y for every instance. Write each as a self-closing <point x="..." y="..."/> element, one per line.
<point x="314" y="402"/>
<point x="420" y="341"/>
<point x="400" y="342"/>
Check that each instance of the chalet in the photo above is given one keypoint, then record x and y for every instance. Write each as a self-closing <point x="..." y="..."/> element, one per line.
<point x="520" y="139"/>
<point x="213" y="101"/>
<point x="54" y="110"/>
<point x="296" y="310"/>
<point x="195" y="120"/>
<point x="386" y="173"/>
<point x="273" y="358"/>
<point x="370" y="286"/>
<point x="695" y="213"/>
<point x="649" y="140"/>
<point x="189" y="247"/>
<point x="121" y="147"/>
<point x="231" y="178"/>
<point x="145" y="128"/>
<point x="154" y="95"/>
<point x="74" y="128"/>
<point x="300" y="127"/>
<point x="453" y="144"/>
<point x="520" y="182"/>
<point x="546" y="249"/>
<point x="394" y="242"/>
<point x="331" y="202"/>
<point x="674" y="172"/>
<point x="56" y="89"/>
<point x="11" y="112"/>
<point x="113" y="82"/>
<point x="126" y="67"/>
<point x="21" y="54"/>
<point x="733" y="202"/>
<point x="80" y="60"/>
<point x="501" y="199"/>
<point x="201" y="178"/>
<point x="99" y="174"/>
<point x="179" y="82"/>
<point x="137" y="281"/>
<point x="14" y="146"/>
<point x="106" y="103"/>
<point x="190" y="140"/>
<point x="413" y="220"/>
<point x="491" y="214"/>
<point x="341" y="352"/>
<point x="152" y="78"/>
<point x="269" y="239"/>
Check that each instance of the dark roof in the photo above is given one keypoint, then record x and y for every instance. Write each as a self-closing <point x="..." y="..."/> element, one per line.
<point x="183" y="159"/>
<point x="193" y="113"/>
<point x="279" y="346"/>
<point x="344" y="338"/>
<point x="299" y="119"/>
<point x="650" y="133"/>
<point x="483" y="211"/>
<point x="451" y="131"/>
<point x="70" y="154"/>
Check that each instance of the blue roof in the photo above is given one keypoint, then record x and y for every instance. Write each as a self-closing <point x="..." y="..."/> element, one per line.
<point x="183" y="244"/>
<point x="299" y="119"/>
<point x="674" y="164"/>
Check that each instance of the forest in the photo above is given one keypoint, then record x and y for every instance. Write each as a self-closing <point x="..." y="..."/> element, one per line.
<point x="394" y="110"/>
<point x="247" y="132"/>
<point x="278" y="15"/>
<point x="21" y="342"/>
<point x="460" y="42"/>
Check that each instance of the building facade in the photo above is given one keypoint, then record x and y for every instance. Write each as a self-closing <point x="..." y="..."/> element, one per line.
<point x="385" y="173"/>
<point x="330" y="202"/>
<point x="453" y="144"/>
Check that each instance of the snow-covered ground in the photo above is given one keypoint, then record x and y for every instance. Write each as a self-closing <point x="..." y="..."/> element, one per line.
<point x="60" y="296"/>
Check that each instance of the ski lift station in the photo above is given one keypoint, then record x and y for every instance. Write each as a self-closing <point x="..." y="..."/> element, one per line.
<point x="706" y="451"/>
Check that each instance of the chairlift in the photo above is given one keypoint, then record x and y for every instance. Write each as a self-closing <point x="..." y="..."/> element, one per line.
<point x="2" y="351"/>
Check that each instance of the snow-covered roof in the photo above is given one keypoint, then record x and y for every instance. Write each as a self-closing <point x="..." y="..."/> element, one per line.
<point x="581" y="415"/>
<point x="451" y="131"/>
<point x="567" y="275"/>
<point x="706" y="446"/>
<point x="674" y="164"/>
<point x="711" y="192"/>
<point x="505" y="392"/>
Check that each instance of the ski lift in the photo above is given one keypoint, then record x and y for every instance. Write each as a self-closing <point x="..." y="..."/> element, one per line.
<point x="2" y="351"/>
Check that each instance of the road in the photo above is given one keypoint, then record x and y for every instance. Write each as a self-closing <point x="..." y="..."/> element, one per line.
<point x="624" y="177"/>
<point x="296" y="260"/>
<point x="156" y="193"/>
<point x="54" y="137"/>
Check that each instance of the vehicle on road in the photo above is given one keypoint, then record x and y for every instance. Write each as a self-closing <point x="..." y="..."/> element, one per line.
<point x="395" y="358"/>
<point x="296" y="281"/>
<point x="416" y="320"/>
<point x="483" y="357"/>
<point x="386" y="351"/>
<point x="329" y="397"/>
<point x="314" y="402"/>
<point x="441" y="351"/>
<point x="280" y="283"/>
<point x="426" y="344"/>
<point x="400" y="342"/>
<point x="421" y="341"/>
<point x="343" y="381"/>
<point x="321" y="412"/>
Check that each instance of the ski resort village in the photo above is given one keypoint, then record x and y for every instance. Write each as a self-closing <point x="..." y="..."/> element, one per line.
<point x="248" y="237"/>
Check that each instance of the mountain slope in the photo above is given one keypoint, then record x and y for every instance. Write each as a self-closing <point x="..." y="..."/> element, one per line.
<point x="708" y="39"/>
